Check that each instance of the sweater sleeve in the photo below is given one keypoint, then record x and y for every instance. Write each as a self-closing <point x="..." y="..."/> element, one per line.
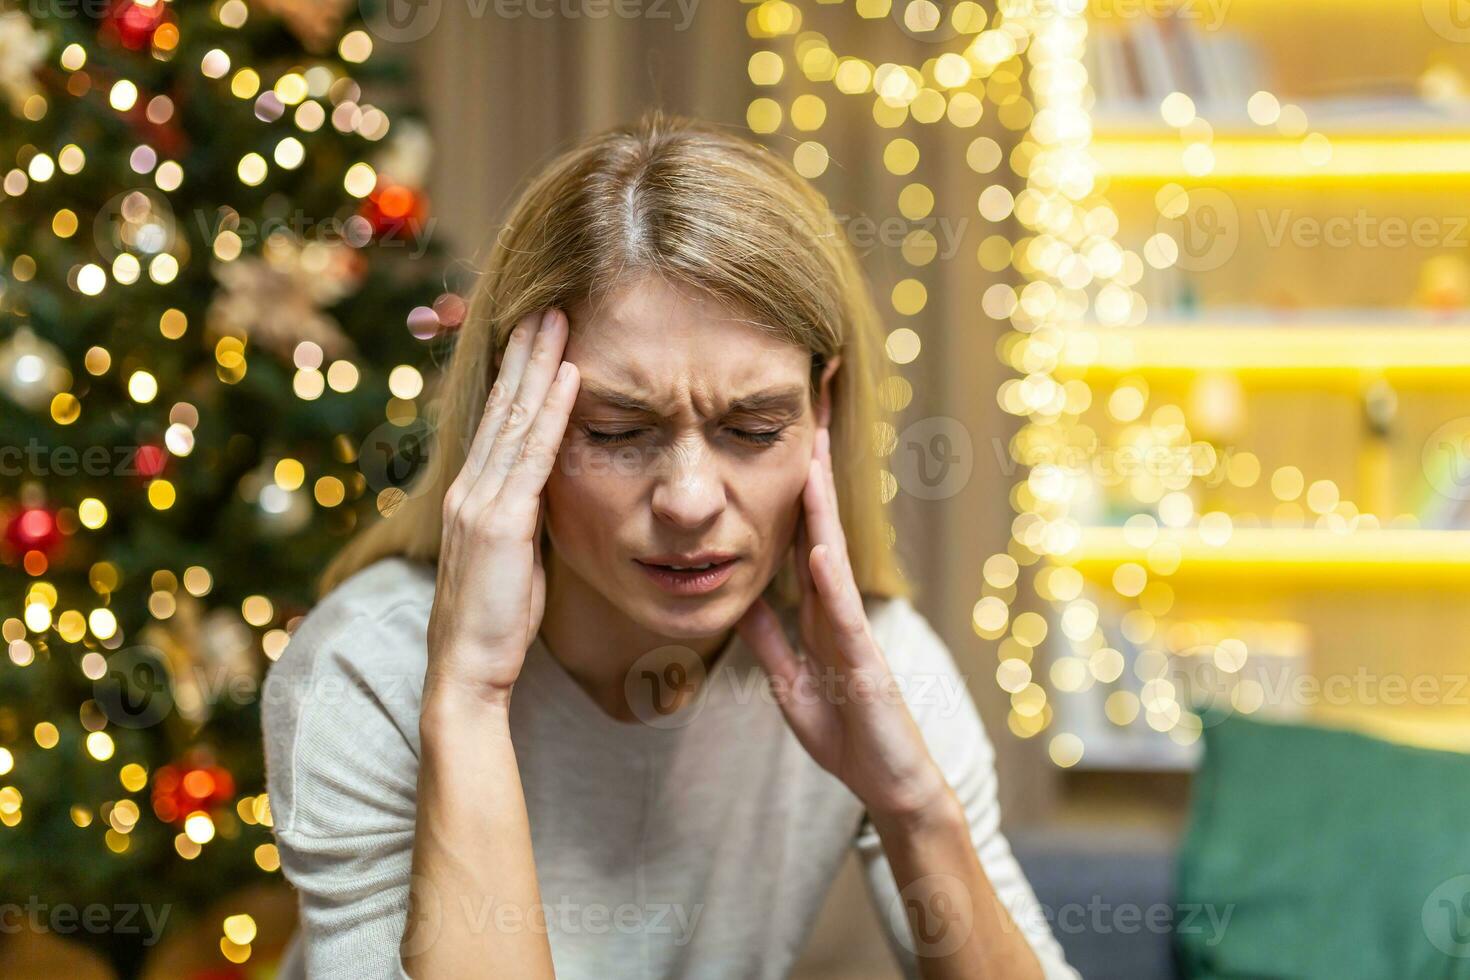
<point x="935" y="691"/>
<point x="341" y="737"/>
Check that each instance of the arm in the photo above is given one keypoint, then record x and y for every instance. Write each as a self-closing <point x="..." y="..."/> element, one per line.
<point x="957" y="742"/>
<point x="340" y="777"/>
<point x="472" y="851"/>
<point x="869" y="740"/>
<point x="958" y="925"/>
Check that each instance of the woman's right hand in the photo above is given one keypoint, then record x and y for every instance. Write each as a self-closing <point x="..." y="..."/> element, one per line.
<point x="491" y="586"/>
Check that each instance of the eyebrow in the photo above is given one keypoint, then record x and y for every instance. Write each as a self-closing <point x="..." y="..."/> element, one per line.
<point x="785" y="397"/>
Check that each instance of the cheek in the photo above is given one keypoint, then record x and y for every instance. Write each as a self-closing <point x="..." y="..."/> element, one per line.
<point x="776" y="493"/>
<point x="588" y="500"/>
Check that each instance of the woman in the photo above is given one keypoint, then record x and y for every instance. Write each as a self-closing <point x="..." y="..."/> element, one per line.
<point x="551" y="713"/>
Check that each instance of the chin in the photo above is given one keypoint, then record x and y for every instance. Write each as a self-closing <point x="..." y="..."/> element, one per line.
<point x="688" y="617"/>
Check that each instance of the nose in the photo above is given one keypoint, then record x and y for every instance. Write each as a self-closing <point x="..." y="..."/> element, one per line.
<point x="690" y="492"/>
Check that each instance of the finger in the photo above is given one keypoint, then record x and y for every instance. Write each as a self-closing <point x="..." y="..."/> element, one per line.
<point x="817" y="630"/>
<point x="821" y="516"/>
<point x="830" y="484"/>
<point x="503" y="391"/>
<point x="842" y="604"/>
<point x="803" y="546"/>
<point x="536" y="382"/>
<point x="526" y="481"/>
<point x="761" y="630"/>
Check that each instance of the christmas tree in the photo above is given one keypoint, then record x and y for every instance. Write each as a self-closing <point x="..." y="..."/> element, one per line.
<point x="217" y="286"/>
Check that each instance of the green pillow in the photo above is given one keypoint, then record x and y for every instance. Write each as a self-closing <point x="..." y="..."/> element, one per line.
<point x="1319" y="854"/>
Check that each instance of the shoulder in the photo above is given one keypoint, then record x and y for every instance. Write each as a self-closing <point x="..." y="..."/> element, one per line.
<point x="372" y="618"/>
<point x="931" y="680"/>
<point x="908" y="641"/>
<point x="376" y="595"/>
<point x="347" y="689"/>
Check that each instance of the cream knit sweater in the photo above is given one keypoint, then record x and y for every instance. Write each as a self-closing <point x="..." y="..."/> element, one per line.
<point x="703" y="849"/>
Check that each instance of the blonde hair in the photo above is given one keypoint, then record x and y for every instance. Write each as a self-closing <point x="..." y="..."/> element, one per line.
<point x="700" y="207"/>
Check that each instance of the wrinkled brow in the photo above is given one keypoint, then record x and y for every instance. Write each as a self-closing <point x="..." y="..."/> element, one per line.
<point x="786" y="398"/>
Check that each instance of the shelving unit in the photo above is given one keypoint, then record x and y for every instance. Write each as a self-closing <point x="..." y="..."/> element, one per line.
<point x="1284" y="351"/>
<point x="1270" y="158"/>
<point x="1342" y="362"/>
<point x="1293" y="558"/>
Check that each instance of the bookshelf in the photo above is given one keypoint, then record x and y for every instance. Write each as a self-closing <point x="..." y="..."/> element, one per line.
<point x="1276" y="559"/>
<point x="1281" y="350"/>
<point x="1268" y="158"/>
<point x="1322" y="351"/>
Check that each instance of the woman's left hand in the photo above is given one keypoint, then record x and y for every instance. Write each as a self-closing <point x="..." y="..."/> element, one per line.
<point x="841" y="700"/>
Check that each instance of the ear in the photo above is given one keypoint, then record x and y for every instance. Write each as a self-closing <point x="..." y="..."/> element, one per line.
<point x="824" y="391"/>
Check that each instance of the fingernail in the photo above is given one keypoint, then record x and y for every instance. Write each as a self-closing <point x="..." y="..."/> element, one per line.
<point x="548" y="318"/>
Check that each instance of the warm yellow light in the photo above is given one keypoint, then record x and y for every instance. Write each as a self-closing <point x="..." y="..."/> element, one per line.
<point x="1269" y="556"/>
<point x="199" y="828"/>
<point x="240" y="929"/>
<point x="360" y="180"/>
<point x="123" y="96"/>
<point x="1271" y="158"/>
<point x="102" y="623"/>
<point x="143" y="387"/>
<point x="133" y="777"/>
<point x="161" y="494"/>
<point x="93" y="513"/>
<point x="100" y="746"/>
<point x="46" y="734"/>
<point x="37" y="617"/>
<point x="1306" y="352"/>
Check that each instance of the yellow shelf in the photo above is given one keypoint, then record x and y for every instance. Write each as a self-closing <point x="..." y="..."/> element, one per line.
<point x="1302" y="557"/>
<point x="1269" y="158"/>
<point x="1309" y="353"/>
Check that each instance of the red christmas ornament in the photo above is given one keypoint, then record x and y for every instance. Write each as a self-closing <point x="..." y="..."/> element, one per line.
<point x="33" y="529"/>
<point x="132" y="24"/>
<point x="191" y="784"/>
<point x="150" y="460"/>
<point x="395" y="211"/>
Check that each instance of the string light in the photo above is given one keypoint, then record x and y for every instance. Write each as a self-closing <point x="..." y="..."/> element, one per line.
<point x="1078" y="292"/>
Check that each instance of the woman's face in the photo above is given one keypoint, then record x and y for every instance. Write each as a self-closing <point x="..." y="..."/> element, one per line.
<point x="688" y="444"/>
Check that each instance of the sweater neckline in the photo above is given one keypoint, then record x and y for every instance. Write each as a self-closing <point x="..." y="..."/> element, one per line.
<point x="573" y="702"/>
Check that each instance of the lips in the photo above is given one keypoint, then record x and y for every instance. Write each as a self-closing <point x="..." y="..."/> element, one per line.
<point x="693" y="574"/>
<point x="687" y="561"/>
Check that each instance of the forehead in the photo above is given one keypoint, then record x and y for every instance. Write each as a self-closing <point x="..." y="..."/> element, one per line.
<point x="656" y="339"/>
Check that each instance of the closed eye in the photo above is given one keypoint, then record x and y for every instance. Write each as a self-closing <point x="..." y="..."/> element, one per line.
<point x="611" y="438"/>
<point x="755" y="438"/>
<point x="769" y="438"/>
